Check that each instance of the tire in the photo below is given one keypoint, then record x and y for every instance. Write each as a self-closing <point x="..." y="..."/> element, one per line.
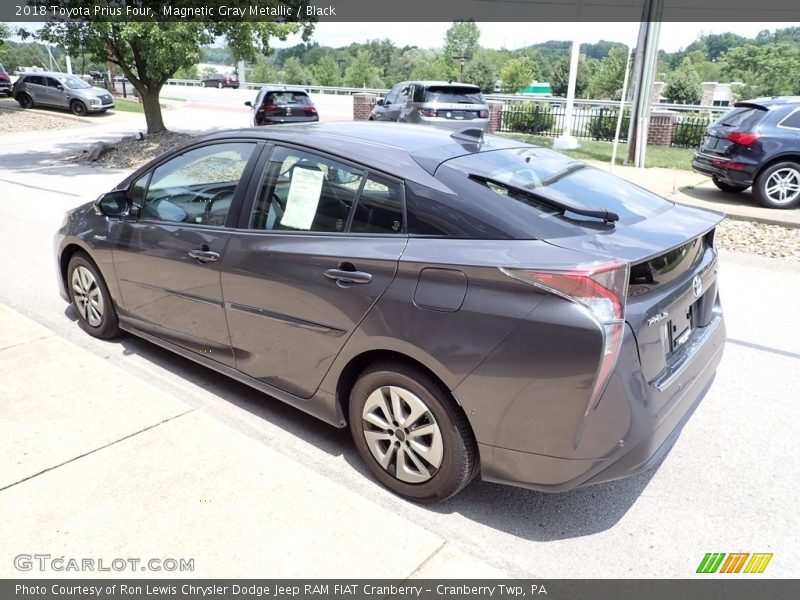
<point x="422" y="467"/>
<point x="25" y="101"/>
<point x="90" y="297"/>
<point x="778" y="186"/>
<point x="203" y="84"/>
<point x="219" y="85"/>
<point x="78" y="108"/>
<point x="727" y="187"/>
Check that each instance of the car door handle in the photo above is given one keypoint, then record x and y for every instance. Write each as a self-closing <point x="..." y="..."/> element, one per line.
<point x="204" y="255"/>
<point x="341" y="276"/>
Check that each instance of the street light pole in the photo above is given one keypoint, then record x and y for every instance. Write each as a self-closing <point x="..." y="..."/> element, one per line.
<point x="462" y="60"/>
<point x="566" y="141"/>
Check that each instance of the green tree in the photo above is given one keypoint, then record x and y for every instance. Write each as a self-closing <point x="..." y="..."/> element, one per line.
<point x="149" y="53"/>
<point x="262" y="71"/>
<point x="607" y="81"/>
<point x="683" y="84"/>
<point x="517" y="74"/>
<point x="296" y="73"/>
<point x="327" y="71"/>
<point x="362" y="73"/>
<point x="461" y="39"/>
<point x="436" y="68"/>
<point x="5" y="31"/>
<point x="559" y="80"/>
<point x="481" y="72"/>
<point x="767" y="70"/>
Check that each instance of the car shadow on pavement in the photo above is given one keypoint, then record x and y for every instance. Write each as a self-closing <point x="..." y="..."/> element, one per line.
<point x="718" y="197"/>
<point x="527" y="514"/>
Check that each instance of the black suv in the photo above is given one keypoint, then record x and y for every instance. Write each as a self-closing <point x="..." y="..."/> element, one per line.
<point x="5" y="82"/>
<point x="757" y="144"/>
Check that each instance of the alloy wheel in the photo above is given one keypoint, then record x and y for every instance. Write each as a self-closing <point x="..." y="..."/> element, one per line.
<point x="402" y="434"/>
<point x="783" y="186"/>
<point x="87" y="297"/>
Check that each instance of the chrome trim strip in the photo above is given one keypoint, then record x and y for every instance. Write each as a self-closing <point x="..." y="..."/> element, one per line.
<point x="185" y="295"/>
<point x="294" y="321"/>
<point x="671" y="373"/>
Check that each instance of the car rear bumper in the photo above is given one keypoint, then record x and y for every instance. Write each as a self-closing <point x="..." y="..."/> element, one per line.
<point x="729" y="171"/>
<point x="455" y="124"/>
<point x="647" y="435"/>
<point x="286" y="120"/>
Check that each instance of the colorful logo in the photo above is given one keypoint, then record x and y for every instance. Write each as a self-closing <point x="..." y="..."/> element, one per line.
<point x="733" y="563"/>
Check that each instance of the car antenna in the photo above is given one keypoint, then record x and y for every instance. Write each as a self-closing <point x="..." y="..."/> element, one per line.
<point x="469" y="134"/>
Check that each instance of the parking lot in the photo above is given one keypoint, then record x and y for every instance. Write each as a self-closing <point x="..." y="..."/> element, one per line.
<point x="726" y="486"/>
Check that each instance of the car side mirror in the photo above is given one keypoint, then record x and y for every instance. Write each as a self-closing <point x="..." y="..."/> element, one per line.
<point x="60" y="87"/>
<point x="380" y="102"/>
<point x="248" y="103"/>
<point x="113" y="204"/>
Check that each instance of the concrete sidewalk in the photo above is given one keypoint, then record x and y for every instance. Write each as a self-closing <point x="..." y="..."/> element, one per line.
<point x="101" y="465"/>
<point x="693" y="189"/>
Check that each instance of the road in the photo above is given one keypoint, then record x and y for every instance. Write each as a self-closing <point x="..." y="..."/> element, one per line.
<point x="728" y="485"/>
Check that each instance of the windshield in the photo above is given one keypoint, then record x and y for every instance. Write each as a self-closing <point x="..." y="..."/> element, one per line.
<point x="287" y="98"/>
<point x="73" y="82"/>
<point x="453" y="95"/>
<point x="2" y="70"/>
<point x="548" y="174"/>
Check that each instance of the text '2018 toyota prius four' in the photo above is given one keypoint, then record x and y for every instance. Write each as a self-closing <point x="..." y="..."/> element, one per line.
<point x="465" y="304"/>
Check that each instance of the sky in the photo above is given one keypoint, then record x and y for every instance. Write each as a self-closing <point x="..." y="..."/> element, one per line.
<point x="674" y="36"/>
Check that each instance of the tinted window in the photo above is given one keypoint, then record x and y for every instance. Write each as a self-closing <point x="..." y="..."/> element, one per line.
<point x="379" y="208"/>
<point x="35" y="79"/>
<point x="73" y="83"/>
<point x="301" y="191"/>
<point x="793" y="120"/>
<point x="391" y="97"/>
<point x="453" y="95"/>
<point x="743" y="117"/>
<point x="197" y="186"/>
<point x="545" y="173"/>
<point x="53" y="83"/>
<point x="280" y="98"/>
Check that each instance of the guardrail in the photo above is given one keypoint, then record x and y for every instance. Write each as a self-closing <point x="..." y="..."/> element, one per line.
<point x="312" y="89"/>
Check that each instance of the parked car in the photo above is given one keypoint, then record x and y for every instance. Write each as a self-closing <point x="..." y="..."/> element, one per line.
<point x="465" y="304"/>
<point x="757" y="144"/>
<point x="5" y="81"/>
<point x="60" y="90"/>
<point x="282" y="104"/>
<point x="218" y="80"/>
<point x="441" y="103"/>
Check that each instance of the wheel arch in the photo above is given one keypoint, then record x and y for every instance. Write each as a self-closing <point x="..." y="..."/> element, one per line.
<point x="786" y="157"/>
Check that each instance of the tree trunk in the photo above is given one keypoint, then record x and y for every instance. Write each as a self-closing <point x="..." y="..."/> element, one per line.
<point x="152" y="110"/>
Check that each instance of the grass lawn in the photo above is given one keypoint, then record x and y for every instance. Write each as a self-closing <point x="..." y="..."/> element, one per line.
<point x="657" y="156"/>
<point x="124" y="105"/>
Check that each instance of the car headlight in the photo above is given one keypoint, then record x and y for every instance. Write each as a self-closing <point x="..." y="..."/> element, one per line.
<point x="95" y="101"/>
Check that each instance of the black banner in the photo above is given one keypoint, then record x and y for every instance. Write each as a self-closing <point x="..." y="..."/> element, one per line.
<point x="532" y="11"/>
<point x="741" y="587"/>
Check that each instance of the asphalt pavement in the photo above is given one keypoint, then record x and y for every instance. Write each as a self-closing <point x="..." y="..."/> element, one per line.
<point x="122" y="448"/>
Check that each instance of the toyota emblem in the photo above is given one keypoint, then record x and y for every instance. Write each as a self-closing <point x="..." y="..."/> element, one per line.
<point x="697" y="286"/>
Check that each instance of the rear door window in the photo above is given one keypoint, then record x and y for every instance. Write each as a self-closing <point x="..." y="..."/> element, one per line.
<point x="453" y="95"/>
<point x="792" y="121"/>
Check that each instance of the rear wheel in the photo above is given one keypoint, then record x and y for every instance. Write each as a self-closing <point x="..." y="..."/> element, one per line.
<point x="410" y="433"/>
<point x="728" y="187"/>
<point x="25" y="101"/>
<point x="778" y="186"/>
<point x="219" y="85"/>
<point x="78" y="108"/>
<point x="203" y="84"/>
<point x="91" y="299"/>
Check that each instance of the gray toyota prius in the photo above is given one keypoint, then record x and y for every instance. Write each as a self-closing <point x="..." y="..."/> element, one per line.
<point x="466" y="304"/>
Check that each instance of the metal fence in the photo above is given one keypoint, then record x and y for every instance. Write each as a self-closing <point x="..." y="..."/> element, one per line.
<point x="592" y="122"/>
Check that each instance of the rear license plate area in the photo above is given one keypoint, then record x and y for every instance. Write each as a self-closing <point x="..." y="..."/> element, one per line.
<point x="680" y="327"/>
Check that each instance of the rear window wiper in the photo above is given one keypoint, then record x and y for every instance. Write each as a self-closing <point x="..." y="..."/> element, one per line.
<point x="606" y="215"/>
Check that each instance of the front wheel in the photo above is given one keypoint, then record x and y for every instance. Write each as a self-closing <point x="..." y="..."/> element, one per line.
<point x="25" y="101"/>
<point x="219" y="85"/>
<point x="78" y="108"/>
<point x="728" y="187"/>
<point x="90" y="297"/>
<point x="410" y="433"/>
<point x="778" y="186"/>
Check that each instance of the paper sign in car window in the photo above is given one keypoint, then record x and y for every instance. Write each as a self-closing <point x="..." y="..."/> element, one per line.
<point x="301" y="203"/>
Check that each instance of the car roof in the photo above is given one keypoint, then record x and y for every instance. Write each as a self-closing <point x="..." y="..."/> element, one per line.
<point x="435" y="83"/>
<point x="397" y="148"/>
<point x="770" y="101"/>
<point x="279" y="87"/>
<point x="47" y="74"/>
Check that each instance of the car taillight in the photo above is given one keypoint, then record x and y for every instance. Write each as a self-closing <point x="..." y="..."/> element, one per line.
<point x="743" y="139"/>
<point x="427" y="112"/>
<point x="310" y="110"/>
<point x="267" y="108"/>
<point x="484" y="114"/>
<point x="727" y="164"/>
<point x="602" y="289"/>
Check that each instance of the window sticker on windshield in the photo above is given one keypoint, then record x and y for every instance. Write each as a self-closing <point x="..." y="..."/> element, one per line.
<point x="304" y="193"/>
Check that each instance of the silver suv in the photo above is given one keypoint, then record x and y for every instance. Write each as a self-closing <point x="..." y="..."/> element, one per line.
<point x="60" y="90"/>
<point x="441" y="103"/>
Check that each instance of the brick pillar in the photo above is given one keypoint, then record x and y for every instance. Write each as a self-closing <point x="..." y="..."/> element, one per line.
<point x="655" y="92"/>
<point x="362" y="105"/>
<point x="708" y="93"/>
<point x="662" y="126"/>
<point x="495" y="109"/>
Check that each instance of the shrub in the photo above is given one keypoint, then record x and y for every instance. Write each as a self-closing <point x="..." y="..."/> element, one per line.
<point x="528" y="117"/>
<point x="603" y="126"/>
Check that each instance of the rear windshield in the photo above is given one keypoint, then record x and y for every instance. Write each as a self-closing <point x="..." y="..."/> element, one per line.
<point x="453" y="95"/>
<point x="742" y="116"/>
<point x="549" y="174"/>
<point x="287" y="98"/>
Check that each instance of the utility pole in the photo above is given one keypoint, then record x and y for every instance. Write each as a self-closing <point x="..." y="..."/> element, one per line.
<point x="566" y="141"/>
